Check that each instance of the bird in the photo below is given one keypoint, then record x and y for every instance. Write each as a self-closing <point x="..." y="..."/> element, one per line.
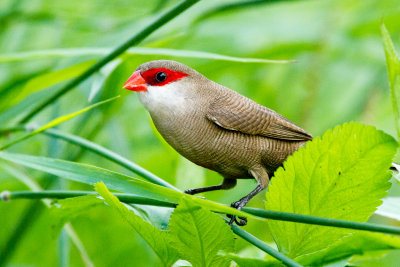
<point x="215" y="127"/>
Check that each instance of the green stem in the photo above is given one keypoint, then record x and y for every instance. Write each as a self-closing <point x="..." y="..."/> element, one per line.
<point x="261" y="245"/>
<point x="58" y="194"/>
<point x="267" y="214"/>
<point x="137" y="38"/>
<point x="308" y="219"/>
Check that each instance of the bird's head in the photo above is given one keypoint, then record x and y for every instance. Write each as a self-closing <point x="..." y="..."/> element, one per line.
<point x="157" y="74"/>
<point x="166" y="86"/>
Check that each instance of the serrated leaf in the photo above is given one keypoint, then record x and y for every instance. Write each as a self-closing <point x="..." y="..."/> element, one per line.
<point x="67" y="209"/>
<point x="89" y="174"/>
<point x="56" y="122"/>
<point x="393" y="66"/>
<point x="156" y="239"/>
<point x="199" y="235"/>
<point x="354" y="244"/>
<point x="342" y="175"/>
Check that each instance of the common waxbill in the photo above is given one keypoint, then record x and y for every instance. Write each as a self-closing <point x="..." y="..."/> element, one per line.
<point x="215" y="127"/>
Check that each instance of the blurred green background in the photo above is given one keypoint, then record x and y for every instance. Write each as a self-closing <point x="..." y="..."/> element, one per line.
<point x="340" y="76"/>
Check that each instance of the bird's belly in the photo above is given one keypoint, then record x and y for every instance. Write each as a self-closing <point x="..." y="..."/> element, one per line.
<point x="230" y="153"/>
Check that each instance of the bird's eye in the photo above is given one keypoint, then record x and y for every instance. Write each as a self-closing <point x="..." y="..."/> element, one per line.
<point x="161" y="76"/>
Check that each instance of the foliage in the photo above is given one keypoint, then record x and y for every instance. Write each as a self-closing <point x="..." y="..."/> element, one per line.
<point x="54" y="123"/>
<point x="342" y="175"/>
<point x="339" y="76"/>
<point x="393" y="66"/>
<point x="156" y="239"/>
<point x="199" y="235"/>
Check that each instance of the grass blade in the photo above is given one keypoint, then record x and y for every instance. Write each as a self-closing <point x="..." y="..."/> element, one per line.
<point x="137" y="38"/>
<point x="103" y="152"/>
<point x="56" y="122"/>
<point x="76" y="52"/>
<point x="89" y="174"/>
<point x="108" y="154"/>
<point x="393" y="66"/>
<point x="232" y="6"/>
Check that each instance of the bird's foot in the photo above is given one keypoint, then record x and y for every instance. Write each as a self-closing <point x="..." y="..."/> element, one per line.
<point x="242" y="220"/>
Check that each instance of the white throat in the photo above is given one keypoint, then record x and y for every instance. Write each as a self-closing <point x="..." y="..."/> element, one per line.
<point x="165" y="99"/>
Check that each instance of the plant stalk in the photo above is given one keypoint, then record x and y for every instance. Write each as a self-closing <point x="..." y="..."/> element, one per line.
<point x="267" y="214"/>
<point x="263" y="246"/>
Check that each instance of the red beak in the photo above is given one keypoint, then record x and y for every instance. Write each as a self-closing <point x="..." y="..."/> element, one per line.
<point x="136" y="82"/>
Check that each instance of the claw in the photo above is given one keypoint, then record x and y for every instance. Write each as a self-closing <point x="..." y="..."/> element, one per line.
<point x="243" y="221"/>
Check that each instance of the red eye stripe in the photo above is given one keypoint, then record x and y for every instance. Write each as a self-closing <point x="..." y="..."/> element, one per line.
<point x="150" y="76"/>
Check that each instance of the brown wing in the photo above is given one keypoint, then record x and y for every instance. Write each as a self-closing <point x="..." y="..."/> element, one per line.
<point x="238" y="113"/>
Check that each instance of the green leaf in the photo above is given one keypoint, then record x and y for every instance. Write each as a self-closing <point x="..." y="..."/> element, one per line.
<point x="199" y="235"/>
<point x="29" y="103"/>
<point x="89" y="174"/>
<point x="156" y="216"/>
<point x="51" y="78"/>
<point x="156" y="239"/>
<point x="108" y="154"/>
<point x="228" y="7"/>
<point x="56" y="122"/>
<point x="250" y="262"/>
<point x="67" y="209"/>
<point x="390" y="208"/>
<point x="357" y="243"/>
<point x="342" y="175"/>
<point x="388" y="259"/>
<point x="48" y="79"/>
<point x="76" y="52"/>
<point x="393" y="66"/>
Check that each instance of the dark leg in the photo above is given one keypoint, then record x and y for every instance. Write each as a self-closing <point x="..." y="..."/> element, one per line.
<point x="226" y="184"/>
<point x="262" y="178"/>
<point x="241" y="203"/>
<point x="244" y="200"/>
